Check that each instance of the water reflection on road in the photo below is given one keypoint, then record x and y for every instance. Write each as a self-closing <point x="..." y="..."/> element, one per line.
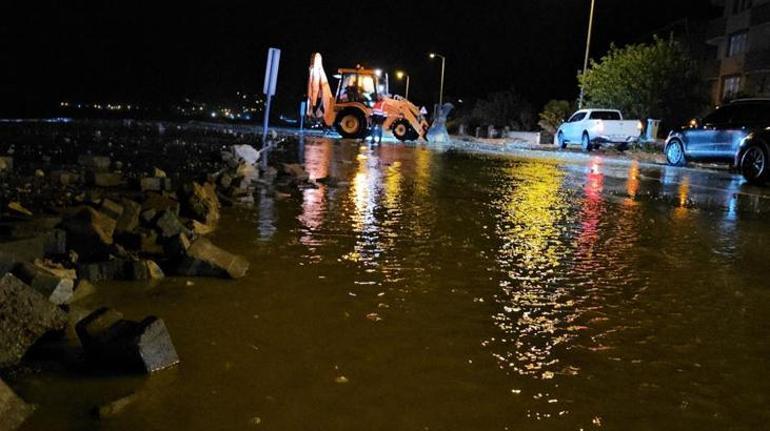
<point x="455" y="291"/>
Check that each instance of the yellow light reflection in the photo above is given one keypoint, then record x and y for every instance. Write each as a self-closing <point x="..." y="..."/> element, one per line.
<point x="683" y="195"/>
<point x="422" y="162"/>
<point x="531" y="228"/>
<point x="393" y="186"/>
<point x="632" y="186"/>
<point x="532" y="211"/>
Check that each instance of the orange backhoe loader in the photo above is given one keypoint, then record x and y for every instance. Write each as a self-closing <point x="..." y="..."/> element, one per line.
<point x="349" y="109"/>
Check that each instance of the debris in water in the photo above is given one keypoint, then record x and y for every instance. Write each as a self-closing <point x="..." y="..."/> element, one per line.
<point x="114" y="408"/>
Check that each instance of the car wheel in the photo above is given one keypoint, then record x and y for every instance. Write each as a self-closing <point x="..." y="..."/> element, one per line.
<point x="675" y="154"/>
<point x="586" y="142"/>
<point x="560" y="141"/>
<point x="753" y="165"/>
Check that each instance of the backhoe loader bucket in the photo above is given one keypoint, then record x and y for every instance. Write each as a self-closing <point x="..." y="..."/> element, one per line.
<point x="437" y="132"/>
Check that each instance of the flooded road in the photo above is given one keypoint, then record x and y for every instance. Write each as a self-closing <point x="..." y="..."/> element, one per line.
<point x="435" y="290"/>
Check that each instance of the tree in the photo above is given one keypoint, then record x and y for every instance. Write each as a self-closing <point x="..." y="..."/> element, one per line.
<point x="554" y="114"/>
<point x="658" y="80"/>
<point x="505" y="108"/>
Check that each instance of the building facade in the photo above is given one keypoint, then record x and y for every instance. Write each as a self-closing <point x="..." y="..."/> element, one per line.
<point x="740" y="50"/>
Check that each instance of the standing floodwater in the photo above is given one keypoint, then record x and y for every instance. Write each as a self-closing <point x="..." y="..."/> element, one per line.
<point x="429" y="290"/>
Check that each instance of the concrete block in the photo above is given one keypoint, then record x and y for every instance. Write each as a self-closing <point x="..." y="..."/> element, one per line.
<point x="205" y="259"/>
<point x="124" y="345"/>
<point x="25" y="316"/>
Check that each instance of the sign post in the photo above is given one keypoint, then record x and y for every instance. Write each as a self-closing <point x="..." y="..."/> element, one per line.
<point x="271" y="79"/>
<point x="302" y="113"/>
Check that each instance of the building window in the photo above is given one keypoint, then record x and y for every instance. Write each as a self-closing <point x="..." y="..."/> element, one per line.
<point x="738" y="43"/>
<point x="731" y="86"/>
<point x="740" y="6"/>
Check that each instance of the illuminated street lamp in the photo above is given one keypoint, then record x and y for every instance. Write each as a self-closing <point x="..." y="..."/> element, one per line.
<point x="443" y="67"/>
<point x="400" y="75"/>
<point x="588" y="50"/>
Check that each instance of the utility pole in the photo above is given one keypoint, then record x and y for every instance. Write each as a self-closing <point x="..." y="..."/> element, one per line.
<point x="588" y="50"/>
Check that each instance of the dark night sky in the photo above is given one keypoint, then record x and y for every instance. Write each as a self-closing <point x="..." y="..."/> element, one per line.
<point x="134" y="51"/>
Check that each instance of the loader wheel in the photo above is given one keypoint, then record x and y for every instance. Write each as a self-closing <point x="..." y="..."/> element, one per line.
<point x="351" y="124"/>
<point x="403" y="131"/>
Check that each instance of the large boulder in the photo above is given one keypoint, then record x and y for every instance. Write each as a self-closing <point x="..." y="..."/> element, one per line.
<point x="111" y="209"/>
<point x="25" y="316"/>
<point x="44" y="244"/>
<point x="114" y="269"/>
<point x="121" y="269"/>
<point x="95" y="163"/>
<point x="6" y="164"/>
<point x="114" y="343"/>
<point x="155" y="184"/>
<point x="160" y="202"/>
<point x="169" y="225"/>
<point x="89" y="232"/>
<point x="176" y="247"/>
<point x="205" y="259"/>
<point x="105" y="179"/>
<point x="57" y="286"/>
<point x="65" y="178"/>
<point x="203" y="203"/>
<point x="13" y="410"/>
<point x="296" y="172"/>
<point x="128" y="220"/>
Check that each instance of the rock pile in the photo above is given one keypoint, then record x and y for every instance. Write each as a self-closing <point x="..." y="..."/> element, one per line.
<point x="84" y="206"/>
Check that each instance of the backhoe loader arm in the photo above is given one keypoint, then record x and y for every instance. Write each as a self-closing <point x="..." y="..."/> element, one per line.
<point x="320" y="100"/>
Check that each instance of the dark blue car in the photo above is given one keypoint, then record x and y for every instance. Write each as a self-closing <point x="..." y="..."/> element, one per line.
<point x="737" y="133"/>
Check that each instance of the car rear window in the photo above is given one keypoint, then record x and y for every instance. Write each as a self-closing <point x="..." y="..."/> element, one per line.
<point x="605" y="115"/>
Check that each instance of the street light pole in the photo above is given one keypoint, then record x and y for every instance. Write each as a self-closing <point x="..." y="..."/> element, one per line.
<point x="401" y="75"/>
<point x="588" y="50"/>
<point x="443" y="69"/>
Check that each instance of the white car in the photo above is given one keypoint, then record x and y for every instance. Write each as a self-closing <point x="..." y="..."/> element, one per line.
<point x="592" y="127"/>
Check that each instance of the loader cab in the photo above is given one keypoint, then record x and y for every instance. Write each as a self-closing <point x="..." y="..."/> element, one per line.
<point x="357" y="86"/>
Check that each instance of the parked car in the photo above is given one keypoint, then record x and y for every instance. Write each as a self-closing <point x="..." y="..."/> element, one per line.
<point x="593" y="127"/>
<point x="737" y="133"/>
